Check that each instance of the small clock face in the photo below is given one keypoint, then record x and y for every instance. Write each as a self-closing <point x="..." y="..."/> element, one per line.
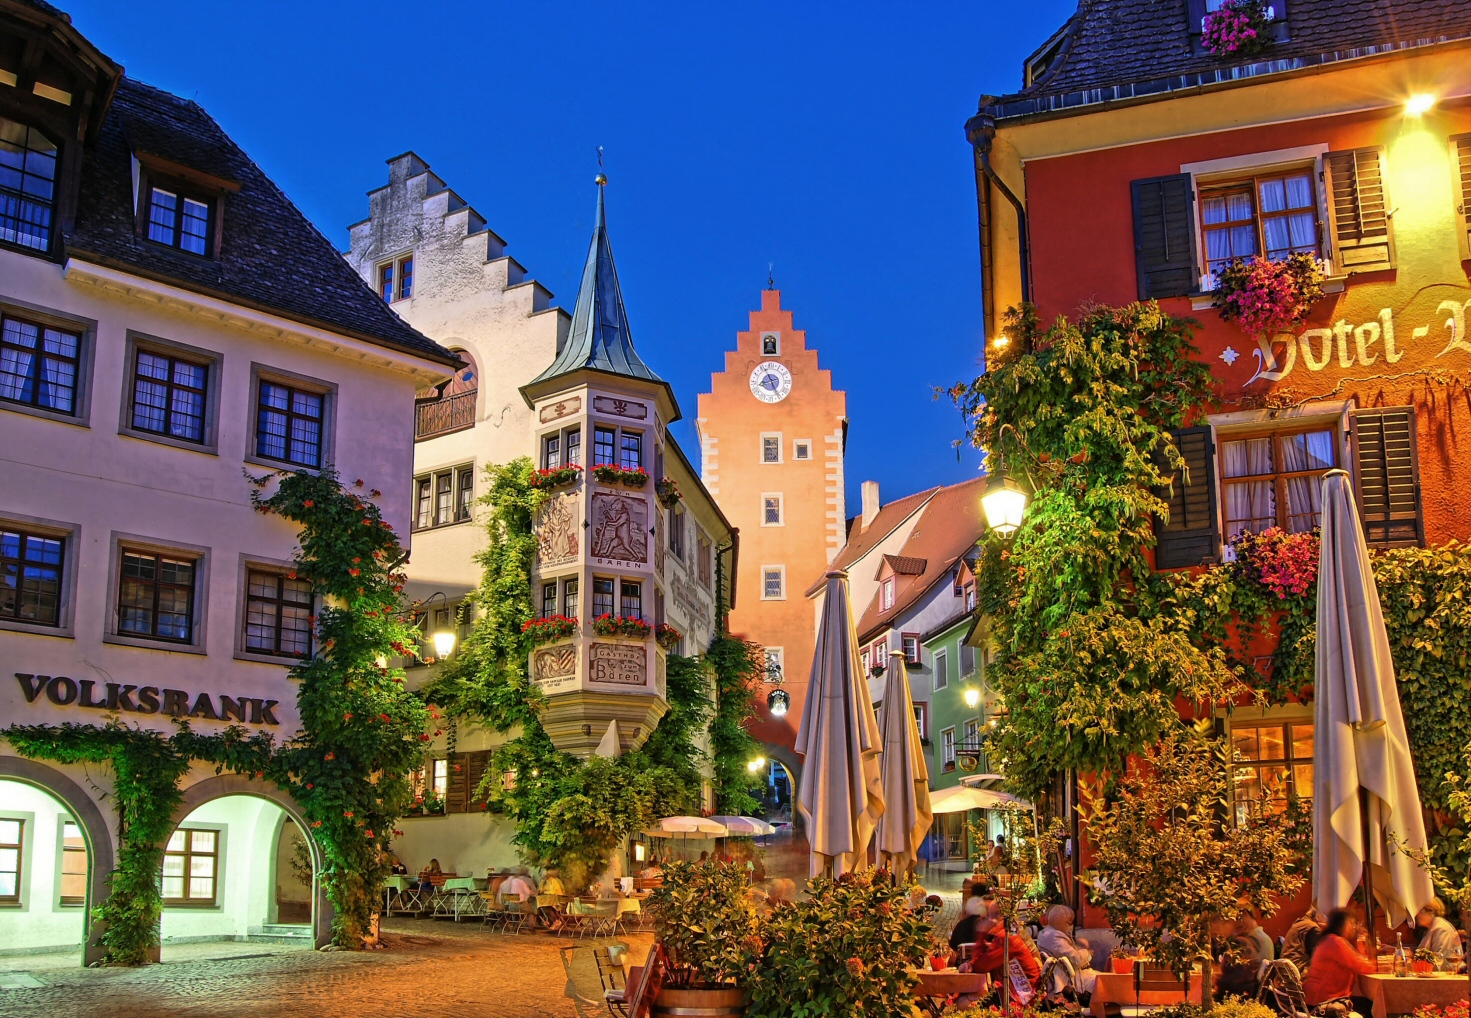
<point x="771" y="382"/>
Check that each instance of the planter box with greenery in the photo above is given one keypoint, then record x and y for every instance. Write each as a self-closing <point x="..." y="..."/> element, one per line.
<point x="550" y="628"/>
<point x="667" y="635"/>
<point x="709" y="929"/>
<point x="667" y="492"/>
<point x="616" y="625"/>
<point x="555" y="477"/>
<point x="610" y="473"/>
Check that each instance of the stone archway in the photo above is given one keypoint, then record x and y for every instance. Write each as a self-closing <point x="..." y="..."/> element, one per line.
<point x="218" y="787"/>
<point x="95" y="829"/>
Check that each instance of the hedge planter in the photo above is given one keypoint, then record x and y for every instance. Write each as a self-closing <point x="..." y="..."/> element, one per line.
<point x="718" y="1002"/>
<point x="667" y="636"/>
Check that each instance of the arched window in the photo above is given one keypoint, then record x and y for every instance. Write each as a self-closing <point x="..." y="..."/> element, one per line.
<point x="449" y="406"/>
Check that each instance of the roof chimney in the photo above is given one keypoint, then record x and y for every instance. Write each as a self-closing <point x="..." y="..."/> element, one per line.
<point x="870" y="502"/>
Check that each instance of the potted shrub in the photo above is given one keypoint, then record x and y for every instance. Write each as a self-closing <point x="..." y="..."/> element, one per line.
<point x="850" y="949"/>
<point x="635" y="478"/>
<point x="1266" y="297"/>
<point x="616" y="625"/>
<point x="555" y="477"/>
<point x="667" y="635"/>
<point x="549" y="628"/>
<point x="1237" y="28"/>
<point x="667" y="492"/>
<point x="708" y="928"/>
<point x="608" y="473"/>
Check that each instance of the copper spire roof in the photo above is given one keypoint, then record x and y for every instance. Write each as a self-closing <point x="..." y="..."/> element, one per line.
<point x="600" y="338"/>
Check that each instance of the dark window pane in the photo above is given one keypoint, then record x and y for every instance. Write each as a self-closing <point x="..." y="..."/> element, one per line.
<point x="633" y="455"/>
<point x="156" y="596"/>
<point x="289" y="425"/>
<point x="30" y="577"/>
<point x="163" y="215"/>
<point x="49" y="380"/>
<point x="604" y="446"/>
<point x="27" y="177"/>
<point x="195" y="231"/>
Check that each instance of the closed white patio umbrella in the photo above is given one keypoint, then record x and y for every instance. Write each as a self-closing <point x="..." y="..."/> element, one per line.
<point x="841" y="793"/>
<point x="906" y="777"/>
<point x="1366" y="806"/>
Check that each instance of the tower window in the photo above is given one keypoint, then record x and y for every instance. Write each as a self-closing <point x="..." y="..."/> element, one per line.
<point x="770" y="344"/>
<point x="770" y="448"/>
<point x="396" y="279"/>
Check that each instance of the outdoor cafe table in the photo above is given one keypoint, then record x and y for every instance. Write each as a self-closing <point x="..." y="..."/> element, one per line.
<point x="1404" y="994"/>
<point x="1118" y="988"/>
<point x="936" y="987"/>
<point x="459" y="896"/>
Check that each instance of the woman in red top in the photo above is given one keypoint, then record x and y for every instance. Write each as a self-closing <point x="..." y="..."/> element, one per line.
<point x="1336" y="964"/>
<point x="990" y="957"/>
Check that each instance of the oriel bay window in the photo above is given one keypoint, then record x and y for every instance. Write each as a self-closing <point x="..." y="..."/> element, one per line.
<point x="444" y="497"/>
<point x="190" y="867"/>
<point x="548" y="599"/>
<point x="631" y="450"/>
<point x="38" y="365"/>
<point x="631" y="599"/>
<point x="278" y="614"/>
<point x="604" y="446"/>
<point x="569" y="598"/>
<point x="30" y="576"/>
<point x="156" y="596"/>
<point x="563" y="448"/>
<point x="602" y="596"/>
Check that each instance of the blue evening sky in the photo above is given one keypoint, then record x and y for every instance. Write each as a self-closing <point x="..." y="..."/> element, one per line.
<point x="823" y="137"/>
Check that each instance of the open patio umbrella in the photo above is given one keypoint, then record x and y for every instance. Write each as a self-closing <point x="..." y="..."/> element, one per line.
<point x="745" y="827"/>
<point x="1366" y="807"/>
<point x="686" y="828"/>
<point x="841" y="795"/>
<point x="906" y="778"/>
<point x="963" y="798"/>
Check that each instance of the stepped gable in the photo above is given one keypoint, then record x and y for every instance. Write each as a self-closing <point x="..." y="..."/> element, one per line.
<point x="271" y="258"/>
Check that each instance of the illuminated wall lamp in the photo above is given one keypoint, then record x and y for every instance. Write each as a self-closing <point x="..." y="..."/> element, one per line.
<point x="972" y="696"/>
<point x="1419" y="104"/>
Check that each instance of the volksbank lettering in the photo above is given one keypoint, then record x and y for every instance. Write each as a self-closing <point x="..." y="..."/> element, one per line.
<point x="117" y="696"/>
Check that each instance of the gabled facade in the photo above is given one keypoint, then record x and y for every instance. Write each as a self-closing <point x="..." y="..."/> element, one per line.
<point x="168" y="320"/>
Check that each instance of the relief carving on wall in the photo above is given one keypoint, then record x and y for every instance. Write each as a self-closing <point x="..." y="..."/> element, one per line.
<point x="556" y="530"/>
<point x="561" y="408"/>
<point x="690" y="603"/>
<point x="620" y="407"/>
<point x="658" y="542"/>
<point x="620" y="528"/>
<point x="618" y="664"/>
<point x="555" y="668"/>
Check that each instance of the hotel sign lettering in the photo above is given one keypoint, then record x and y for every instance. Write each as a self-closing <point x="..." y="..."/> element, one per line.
<point x="130" y="699"/>
<point x="1380" y="342"/>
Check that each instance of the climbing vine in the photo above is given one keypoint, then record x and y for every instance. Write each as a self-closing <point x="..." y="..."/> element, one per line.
<point x="738" y="666"/>
<point x="567" y="812"/>
<point x="1097" y="653"/>
<point x="347" y="768"/>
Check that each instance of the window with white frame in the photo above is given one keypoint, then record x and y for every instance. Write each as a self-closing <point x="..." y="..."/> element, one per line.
<point x="771" y="448"/>
<point x="886" y="596"/>
<point x="191" y="863"/>
<point x="73" y="889"/>
<point x="910" y="644"/>
<point x="444" y="497"/>
<point x="802" y="449"/>
<point x="947" y="747"/>
<point x="676" y="533"/>
<point x="772" y="510"/>
<point x="922" y="719"/>
<point x="775" y="663"/>
<point x="12" y="845"/>
<point x="942" y="669"/>
<point x="773" y="583"/>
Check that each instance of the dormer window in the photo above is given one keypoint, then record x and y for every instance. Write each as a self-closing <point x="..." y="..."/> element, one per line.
<point x="27" y="186"/>
<point x="179" y="220"/>
<point x="396" y="279"/>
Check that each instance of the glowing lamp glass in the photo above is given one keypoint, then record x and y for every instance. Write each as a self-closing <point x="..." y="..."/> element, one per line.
<point x="1419" y="104"/>
<point x="972" y="696"/>
<point x="1004" y="503"/>
<point x="444" y="643"/>
<point x="777" y="701"/>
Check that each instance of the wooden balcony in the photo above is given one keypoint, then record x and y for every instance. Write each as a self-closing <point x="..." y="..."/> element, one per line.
<point x="442" y="416"/>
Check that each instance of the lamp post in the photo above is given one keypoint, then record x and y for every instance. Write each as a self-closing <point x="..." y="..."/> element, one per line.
<point x="1004" y="501"/>
<point x="443" y="639"/>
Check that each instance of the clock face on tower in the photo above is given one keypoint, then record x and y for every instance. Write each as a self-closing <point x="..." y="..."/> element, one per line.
<point x="771" y="382"/>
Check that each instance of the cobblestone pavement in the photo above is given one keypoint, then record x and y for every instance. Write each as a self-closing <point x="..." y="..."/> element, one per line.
<point x="436" y="969"/>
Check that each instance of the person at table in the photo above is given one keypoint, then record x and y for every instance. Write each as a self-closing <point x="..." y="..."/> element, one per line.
<point x="972" y="913"/>
<point x="1338" y="963"/>
<point x="552" y="884"/>
<point x="1302" y="937"/>
<point x="1437" y="934"/>
<point x="1248" y="929"/>
<point x="520" y="885"/>
<point x="1240" y="954"/>
<point x="996" y="859"/>
<point x="427" y="875"/>
<point x="397" y="868"/>
<point x="652" y="870"/>
<point x="991" y="956"/>
<point x="1056" y="941"/>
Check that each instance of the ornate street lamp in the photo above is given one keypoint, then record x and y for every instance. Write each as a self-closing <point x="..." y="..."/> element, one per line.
<point x="972" y="696"/>
<point x="777" y="701"/>
<point x="1004" y="501"/>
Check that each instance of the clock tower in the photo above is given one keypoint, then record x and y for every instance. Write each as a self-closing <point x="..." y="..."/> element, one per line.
<point x="772" y="435"/>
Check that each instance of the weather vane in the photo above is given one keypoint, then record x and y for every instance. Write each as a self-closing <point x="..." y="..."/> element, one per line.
<point x="602" y="178"/>
<point x="771" y="275"/>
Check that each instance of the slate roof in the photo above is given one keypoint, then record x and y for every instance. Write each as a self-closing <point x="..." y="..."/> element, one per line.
<point x="947" y="531"/>
<point x="271" y="259"/>
<point x="600" y="338"/>
<point x="1128" y="49"/>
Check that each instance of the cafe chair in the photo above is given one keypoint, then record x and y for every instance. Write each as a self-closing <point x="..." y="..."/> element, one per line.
<point x="1281" y="989"/>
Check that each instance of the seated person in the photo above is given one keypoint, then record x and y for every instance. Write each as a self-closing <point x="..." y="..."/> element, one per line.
<point x="1437" y="934"/>
<point x="1337" y="964"/>
<point x="519" y="885"/>
<point x="1302" y="937"/>
<point x="991" y="956"/>
<point x="397" y="868"/>
<point x="652" y="870"/>
<point x="1241" y="953"/>
<point x="553" y="883"/>
<point x="973" y="912"/>
<point x="1056" y="941"/>
<point x="426" y="875"/>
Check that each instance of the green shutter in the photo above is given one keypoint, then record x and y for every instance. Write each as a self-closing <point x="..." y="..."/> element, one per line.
<point x="1164" y="236"/>
<point x="1190" y="536"/>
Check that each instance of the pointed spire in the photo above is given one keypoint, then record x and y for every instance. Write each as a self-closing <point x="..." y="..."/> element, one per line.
<point x="600" y="338"/>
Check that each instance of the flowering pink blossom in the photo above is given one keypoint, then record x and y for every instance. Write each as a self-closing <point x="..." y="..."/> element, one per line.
<point x="1236" y="27"/>
<point x="1283" y="563"/>
<point x="1266" y="296"/>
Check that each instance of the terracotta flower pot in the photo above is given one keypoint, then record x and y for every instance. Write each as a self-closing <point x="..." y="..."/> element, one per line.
<point x="939" y="962"/>
<point x="1124" y="965"/>
<point x="724" y="1001"/>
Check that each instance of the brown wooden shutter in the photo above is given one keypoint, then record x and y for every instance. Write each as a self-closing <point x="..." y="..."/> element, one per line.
<point x="1359" y="210"/>
<point x="1461" y="181"/>
<point x="1164" y="236"/>
<point x="1387" y="475"/>
<point x="1191" y="535"/>
<point x="454" y="795"/>
<point x="475" y="765"/>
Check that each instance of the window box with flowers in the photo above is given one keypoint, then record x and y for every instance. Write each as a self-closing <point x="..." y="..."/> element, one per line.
<point x="550" y="628"/>
<point x="610" y="473"/>
<point x="555" y="477"/>
<point x="1238" y="28"/>
<point x="667" y="492"/>
<point x="432" y="805"/>
<point x="1266" y="296"/>
<point x="667" y="635"/>
<point x="616" y="625"/>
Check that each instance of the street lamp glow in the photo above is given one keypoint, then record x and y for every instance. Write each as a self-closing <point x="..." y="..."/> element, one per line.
<point x="1004" y="502"/>
<point x="756" y="764"/>
<point x="777" y="701"/>
<point x="1001" y="342"/>
<point x="444" y="643"/>
<point x="1419" y="104"/>
<point x="972" y="696"/>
